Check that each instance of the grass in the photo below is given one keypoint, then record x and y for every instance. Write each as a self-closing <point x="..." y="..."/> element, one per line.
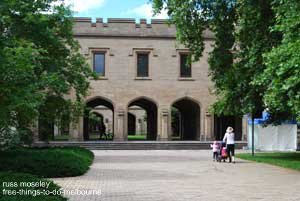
<point x="16" y="178"/>
<point x="61" y="138"/>
<point x="47" y="162"/>
<point x="136" y="137"/>
<point x="283" y="159"/>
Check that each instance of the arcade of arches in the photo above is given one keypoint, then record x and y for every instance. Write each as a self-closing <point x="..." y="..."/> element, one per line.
<point x="183" y="120"/>
<point x="142" y="90"/>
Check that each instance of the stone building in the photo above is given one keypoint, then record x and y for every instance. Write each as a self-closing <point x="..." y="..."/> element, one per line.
<point x="141" y="65"/>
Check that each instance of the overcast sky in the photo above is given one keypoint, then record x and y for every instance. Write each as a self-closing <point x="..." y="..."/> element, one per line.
<point x="113" y="9"/>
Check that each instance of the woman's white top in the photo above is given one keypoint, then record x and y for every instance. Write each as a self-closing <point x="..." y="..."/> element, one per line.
<point x="229" y="137"/>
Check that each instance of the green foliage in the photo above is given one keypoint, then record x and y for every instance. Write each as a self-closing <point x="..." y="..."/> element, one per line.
<point x="237" y="89"/>
<point x="190" y="20"/>
<point x="221" y="58"/>
<point x="8" y="138"/>
<point x="222" y="71"/>
<point x="283" y="159"/>
<point x="54" y="111"/>
<point x="95" y="118"/>
<point x="281" y="77"/>
<point x="47" y="162"/>
<point x="255" y="61"/>
<point x="21" y="177"/>
<point x="254" y="39"/>
<point x="38" y="59"/>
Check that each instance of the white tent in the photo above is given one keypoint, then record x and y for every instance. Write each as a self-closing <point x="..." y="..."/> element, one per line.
<point x="273" y="138"/>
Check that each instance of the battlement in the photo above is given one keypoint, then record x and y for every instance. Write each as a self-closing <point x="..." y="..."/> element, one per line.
<point x="126" y="27"/>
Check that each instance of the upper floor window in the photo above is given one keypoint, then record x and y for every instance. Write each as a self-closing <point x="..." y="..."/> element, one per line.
<point x="142" y="65"/>
<point x="99" y="63"/>
<point x="185" y="66"/>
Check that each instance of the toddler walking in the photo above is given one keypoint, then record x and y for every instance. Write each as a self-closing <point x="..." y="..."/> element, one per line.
<point x="215" y="148"/>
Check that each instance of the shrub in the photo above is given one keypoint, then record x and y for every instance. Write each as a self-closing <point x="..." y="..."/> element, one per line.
<point x="47" y="162"/>
<point x="9" y="138"/>
<point x="21" y="177"/>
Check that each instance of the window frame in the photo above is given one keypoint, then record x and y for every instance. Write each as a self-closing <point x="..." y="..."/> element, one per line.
<point x="184" y="53"/>
<point x="93" y="64"/>
<point x="137" y="53"/>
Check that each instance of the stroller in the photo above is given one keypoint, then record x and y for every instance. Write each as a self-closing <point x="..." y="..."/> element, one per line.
<point x="222" y="155"/>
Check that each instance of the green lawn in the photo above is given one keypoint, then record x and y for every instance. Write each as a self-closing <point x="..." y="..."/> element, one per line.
<point x="61" y="138"/>
<point x="283" y="159"/>
<point x="137" y="137"/>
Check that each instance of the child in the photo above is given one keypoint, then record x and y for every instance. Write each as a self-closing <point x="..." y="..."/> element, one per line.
<point x="215" y="148"/>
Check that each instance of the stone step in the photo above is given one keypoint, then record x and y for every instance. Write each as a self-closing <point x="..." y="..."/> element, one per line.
<point x="145" y="145"/>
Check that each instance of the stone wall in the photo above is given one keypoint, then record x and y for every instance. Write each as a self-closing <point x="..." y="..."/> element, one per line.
<point x="121" y="39"/>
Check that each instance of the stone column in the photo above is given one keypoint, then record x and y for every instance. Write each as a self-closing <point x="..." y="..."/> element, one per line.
<point x="245" y="128"/>
<point x="164" y="117"/>
<point x="56" y="130"/>
<point x="35" y="131"/>
<point x="208" y="126"/>
<point x="76" y="130"/>
<point x="202" y="133"/>
<point x="120" y="126"/>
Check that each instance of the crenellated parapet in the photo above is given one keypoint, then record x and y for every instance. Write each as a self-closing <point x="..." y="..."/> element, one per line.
<point x="126" y="27"/>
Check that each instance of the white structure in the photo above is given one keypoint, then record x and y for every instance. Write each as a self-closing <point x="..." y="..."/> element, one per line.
<point x="272" y="138"/>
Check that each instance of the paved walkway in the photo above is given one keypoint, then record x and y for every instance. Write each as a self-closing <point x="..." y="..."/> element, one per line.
<point x="181" y="176"/>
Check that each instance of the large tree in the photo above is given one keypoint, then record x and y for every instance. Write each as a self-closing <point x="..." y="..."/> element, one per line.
<point x="39" y="59"/>
<point x="282" y="75"/>
<point x="234" y="69"/>
<point x="254" y="38"/>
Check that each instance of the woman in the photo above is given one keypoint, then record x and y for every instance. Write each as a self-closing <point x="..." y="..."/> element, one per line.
<point x="229" y="139"/>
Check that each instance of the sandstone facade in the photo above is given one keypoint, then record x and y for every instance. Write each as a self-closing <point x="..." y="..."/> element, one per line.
<point x="120" y="88"/>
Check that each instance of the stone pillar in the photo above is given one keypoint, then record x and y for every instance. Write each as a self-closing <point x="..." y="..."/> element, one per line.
<point x="138" y="126"/>
<point x="164" y="117"/>
<point x="56" y="130"/>
<point x="35" y="131"/>
<point x="202" y="133"/>
<point x="76" y="130"/>
<point x="245" y="128"/>
<point x="208" y="127"/>
<point x="120" y="126"/>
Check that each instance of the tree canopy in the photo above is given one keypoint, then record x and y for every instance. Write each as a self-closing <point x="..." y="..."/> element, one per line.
<point x="39" y="59"/>
<point x="255" y="61"/>
<point x="282" y="74"/>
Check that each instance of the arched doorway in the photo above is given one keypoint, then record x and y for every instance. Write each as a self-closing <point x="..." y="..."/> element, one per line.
<point x="222" y="122"/>
<point x="101" y="109"/>
<point x="54" y="119"/>
<point x="131" y="124"/>
<point x="96" y="125"/>
<point x="148" y="108"/>
<point x="185" y="121"/>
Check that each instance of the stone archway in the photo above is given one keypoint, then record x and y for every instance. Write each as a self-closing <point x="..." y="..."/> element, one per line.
<point x="93" y="104"/>
<point x="131" y="123"/>
<point x="185" y="119"/>
<point x="222" y="122"/>
<point x="150" y="108"/>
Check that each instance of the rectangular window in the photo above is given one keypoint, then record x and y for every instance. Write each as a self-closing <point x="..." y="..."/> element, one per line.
<point x="99" y="63"/>
<point x="185" y="66"/>
<point x="142" y="65"/>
